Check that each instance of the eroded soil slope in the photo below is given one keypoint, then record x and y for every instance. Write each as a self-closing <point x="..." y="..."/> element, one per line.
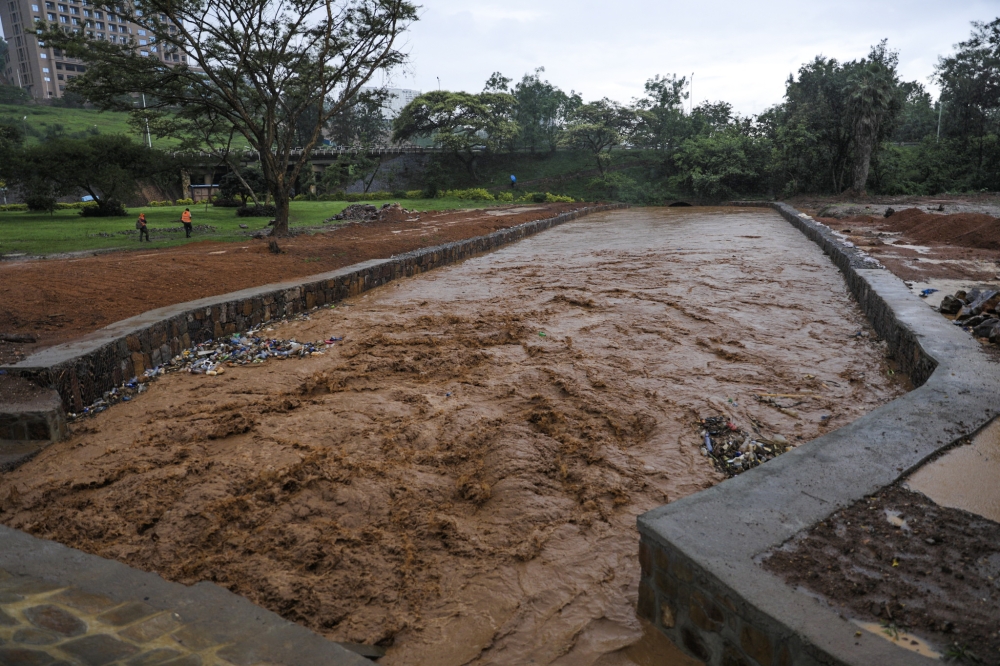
<point x="459" y="479"/>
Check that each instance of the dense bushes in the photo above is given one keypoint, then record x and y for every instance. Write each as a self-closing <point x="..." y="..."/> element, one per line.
<point x="265" y="210"/>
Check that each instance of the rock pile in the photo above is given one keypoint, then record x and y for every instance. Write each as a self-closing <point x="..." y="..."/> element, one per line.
<point x="369" y="213"/>
<point x="976" y="311"/>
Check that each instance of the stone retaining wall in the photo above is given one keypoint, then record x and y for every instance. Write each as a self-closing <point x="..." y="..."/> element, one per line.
<point x="83" y="371"/>
<point x="701" y="584"/>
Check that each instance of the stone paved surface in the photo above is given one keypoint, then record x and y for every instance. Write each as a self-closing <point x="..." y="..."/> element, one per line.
<point x="62" y="607"/>
<point x="47" y="624"/>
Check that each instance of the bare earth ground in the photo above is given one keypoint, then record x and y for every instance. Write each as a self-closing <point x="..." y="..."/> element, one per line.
<point x="947" y="242"/>
<point x="459" y="479"/>
<point x="61" y="299"/>
<point x="934" y="571"/>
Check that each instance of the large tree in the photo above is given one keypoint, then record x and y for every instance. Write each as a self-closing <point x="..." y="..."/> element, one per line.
<point x="542" y="109"/>
<point x="599" y="127"/>
<point x="970" y="92"/>
<point x="875" y="102"/>
<point x="259" y="65"/>
<point x="662" y="124"/>
<point x="460" y="122"/>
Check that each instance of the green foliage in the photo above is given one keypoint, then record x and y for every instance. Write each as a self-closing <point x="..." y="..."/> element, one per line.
<point x="473" y="194"/>
<point x="106" y="167"/>
<point x="10" y="208"/>
<point x="262" y="210"/>
<point x="160" y="204"/>
<point x="555" y="198"/>
<point x="414" y="194"/>
<point x="598" y="127"/>
<point x="40" y="202"/>
<point x="461" y="123"/>
<point x="107" y="208"/>
<point x="13" y="94"/>
<point x="184" y="202"/>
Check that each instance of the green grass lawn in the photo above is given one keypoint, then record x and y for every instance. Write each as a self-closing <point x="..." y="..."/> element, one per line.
<point x="43" y="120"/>
<point x="66" y="231"/>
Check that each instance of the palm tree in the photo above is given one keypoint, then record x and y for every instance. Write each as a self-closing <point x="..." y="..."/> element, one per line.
<point x="871" y="100"/>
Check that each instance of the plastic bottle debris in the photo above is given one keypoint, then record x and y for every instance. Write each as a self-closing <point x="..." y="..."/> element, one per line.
<point x="927" y="292"/>
<point x="733" y="450"/>
<point x="211" y="358"/>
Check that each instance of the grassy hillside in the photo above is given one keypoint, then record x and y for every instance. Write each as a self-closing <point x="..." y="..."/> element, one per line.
<point x="41" y="121"/>
<point x="66" y="231"/>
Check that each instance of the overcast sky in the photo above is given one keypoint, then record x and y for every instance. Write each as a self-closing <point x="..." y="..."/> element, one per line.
<point x="740" y="51"/>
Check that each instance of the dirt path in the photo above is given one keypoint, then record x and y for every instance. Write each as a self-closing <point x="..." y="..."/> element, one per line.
<point x="460" y="478"/>
<point x="60" y="299"/>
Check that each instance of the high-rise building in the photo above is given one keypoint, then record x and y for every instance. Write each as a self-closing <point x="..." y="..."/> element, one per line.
<point x="44" y="71"/>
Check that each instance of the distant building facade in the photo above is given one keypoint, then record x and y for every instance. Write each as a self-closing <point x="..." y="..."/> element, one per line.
<point x="44" y="71"/>
<point x="397" y="99"/>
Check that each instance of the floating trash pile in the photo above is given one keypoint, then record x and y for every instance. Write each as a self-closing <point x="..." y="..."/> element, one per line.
<point x="734" y="450"/>
<point x="211" y="358"/>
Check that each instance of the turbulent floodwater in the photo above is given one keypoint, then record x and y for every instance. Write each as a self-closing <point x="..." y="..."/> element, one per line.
<point x="460" y="478"/>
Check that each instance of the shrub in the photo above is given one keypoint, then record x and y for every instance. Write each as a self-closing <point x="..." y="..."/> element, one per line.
<point x="399" y="194"/>
<point x="10" y="208"/>
<point x="472" y="194"/>
<point x="505" y="196"/>
<point x="222" y="202"/>
<point x="538" y="197"/>
<point x="266" y="210"/>
<point x="414" y="194"/>
<point x="431" y="191"/>
<point x="107" y="208"/>
<point x="184" y="202"/>
<point x="555" y="198"/>
<point x="368" y="196"/>
<point x="339" y="195"/>
<point x="41" y="203"/>
<point x="160" y="204"/>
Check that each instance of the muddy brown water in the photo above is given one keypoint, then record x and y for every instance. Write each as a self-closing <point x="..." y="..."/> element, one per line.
<point x="966" y="477"/>
<point x="460" y="478"/>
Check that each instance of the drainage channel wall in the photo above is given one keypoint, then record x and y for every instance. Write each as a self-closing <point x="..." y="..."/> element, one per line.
<point x="83" y="370"/>
<point x="701" y="581"/>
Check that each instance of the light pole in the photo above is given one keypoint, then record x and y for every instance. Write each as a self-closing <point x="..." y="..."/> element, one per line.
<point x="439" y="82"/>
<point x="940" y="113"/>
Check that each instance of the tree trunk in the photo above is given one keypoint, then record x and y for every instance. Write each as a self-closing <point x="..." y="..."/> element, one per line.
<point x="862" y="161"/>
<point x="281" y="201"/>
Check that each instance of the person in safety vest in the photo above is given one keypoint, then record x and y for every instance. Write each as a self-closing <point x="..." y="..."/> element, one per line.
<point x="140" y="224"/>
<point x="186" y="219"/>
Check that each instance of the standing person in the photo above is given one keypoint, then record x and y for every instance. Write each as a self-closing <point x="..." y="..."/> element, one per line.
<point x="140" y="224"/>
<point x="513" y="181"/>
<point x="186" y="219"/>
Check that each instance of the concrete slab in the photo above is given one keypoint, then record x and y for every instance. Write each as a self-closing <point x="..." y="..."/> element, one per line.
<point x="701" y="582"/>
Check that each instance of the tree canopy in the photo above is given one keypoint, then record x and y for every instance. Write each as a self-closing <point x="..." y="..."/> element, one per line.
<point x="460" y="122"/>
<point x="258" y="66"/>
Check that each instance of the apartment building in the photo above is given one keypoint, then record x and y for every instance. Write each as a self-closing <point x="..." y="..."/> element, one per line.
<point x="44" y="71"/>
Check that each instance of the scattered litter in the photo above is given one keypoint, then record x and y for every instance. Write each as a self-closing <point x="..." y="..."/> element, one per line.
<point x="733" y="450"/>
<point x="211" y="358"/>
<point x="896" y="519"/>
<point x="541" y="334"/>
<point x="927" y="292"/>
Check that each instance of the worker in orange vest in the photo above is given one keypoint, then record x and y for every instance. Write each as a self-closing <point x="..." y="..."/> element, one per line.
<point x="186" y="219"/>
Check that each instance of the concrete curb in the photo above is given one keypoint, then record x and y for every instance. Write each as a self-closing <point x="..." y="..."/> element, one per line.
<point x="83" y="370"/>
<point x="701" y="584"/>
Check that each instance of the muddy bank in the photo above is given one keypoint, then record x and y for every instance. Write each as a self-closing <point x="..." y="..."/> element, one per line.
<point x="459" y="478"/>
<point x="906" y="565"/>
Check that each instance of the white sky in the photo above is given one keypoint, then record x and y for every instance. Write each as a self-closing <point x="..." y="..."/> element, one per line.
<point x="740" y="51"/>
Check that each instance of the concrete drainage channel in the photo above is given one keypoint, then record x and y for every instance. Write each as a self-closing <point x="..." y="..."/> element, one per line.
<point x="701" y="580"/>
<point x="701" y="583"/>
